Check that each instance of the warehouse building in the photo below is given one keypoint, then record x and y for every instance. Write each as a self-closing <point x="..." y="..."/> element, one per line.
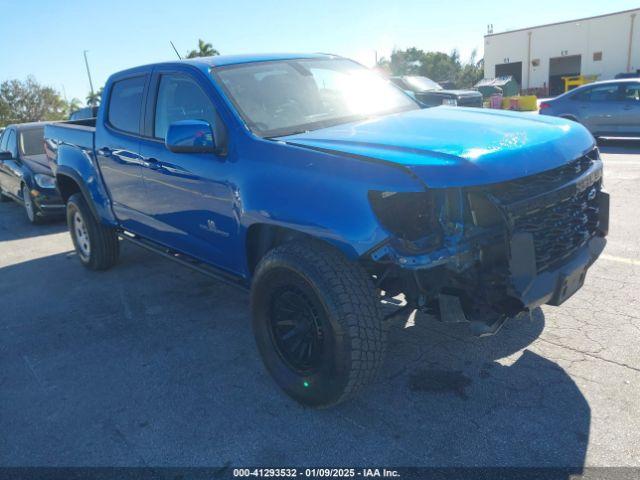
<point x="539" y="57"/>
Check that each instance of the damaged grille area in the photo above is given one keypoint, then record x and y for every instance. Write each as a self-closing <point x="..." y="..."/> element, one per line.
<point x="526" y="187"/>
<point x="562" y="228"/>
<point x="559" y="208"/>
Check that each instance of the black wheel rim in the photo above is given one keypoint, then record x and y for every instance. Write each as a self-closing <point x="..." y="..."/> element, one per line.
<point x="296" y="329"/>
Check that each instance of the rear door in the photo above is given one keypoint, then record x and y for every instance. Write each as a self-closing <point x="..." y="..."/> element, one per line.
<point x="118" y="149"/>
<point x="629" y="123"/>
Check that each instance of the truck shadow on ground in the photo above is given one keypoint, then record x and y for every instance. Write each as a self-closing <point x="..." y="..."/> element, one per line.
<point x="152" y="364"/>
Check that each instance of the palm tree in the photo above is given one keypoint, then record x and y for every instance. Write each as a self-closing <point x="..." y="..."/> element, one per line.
<point x="73" y="105"/>
<point x="93" y="99"/>
<point x="204" y="50"/>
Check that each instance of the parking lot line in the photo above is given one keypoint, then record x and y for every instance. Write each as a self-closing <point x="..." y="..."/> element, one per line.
<point x="613" y="258"/>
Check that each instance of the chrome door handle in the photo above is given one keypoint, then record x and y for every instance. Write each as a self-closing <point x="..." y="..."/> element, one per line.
<point x="151" y="163"/>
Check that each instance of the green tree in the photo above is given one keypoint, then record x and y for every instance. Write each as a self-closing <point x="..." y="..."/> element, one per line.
<point x="28" y="101"/>
<point x="471" y="73"/>
<point x="73" y="105"/>
<point x="438" y="66"/>
<point x="204" y="50"/>
<point x="93" y="99"/>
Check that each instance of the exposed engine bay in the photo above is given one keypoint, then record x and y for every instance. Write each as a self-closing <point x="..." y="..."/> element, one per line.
<point x="486" y="253"/>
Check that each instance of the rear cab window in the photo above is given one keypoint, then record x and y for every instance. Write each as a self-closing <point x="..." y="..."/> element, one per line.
<point x="125" y="104"/>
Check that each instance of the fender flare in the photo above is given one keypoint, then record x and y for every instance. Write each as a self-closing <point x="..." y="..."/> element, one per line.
<point x="99" y="204"/>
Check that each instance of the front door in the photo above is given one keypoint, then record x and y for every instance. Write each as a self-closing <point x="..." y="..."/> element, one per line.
<point x="191" y="196"/>
<point x="118" y="150"/>
<point x="10" y="171"/>
<point x="629" y="123"/>
<point x="601" y="111"/>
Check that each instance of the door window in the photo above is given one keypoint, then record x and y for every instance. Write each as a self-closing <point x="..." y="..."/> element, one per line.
<point x="125" y="104"/>
<point x="3" y="141"/>
<point x="180" y="98"/>
<point x="632" y="92"/>
<point x="604" y="93"/>
<point x="9" y="143"/>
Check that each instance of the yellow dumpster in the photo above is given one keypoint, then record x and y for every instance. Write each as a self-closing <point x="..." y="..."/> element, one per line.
<point x="577" y="81"/>
<point x="528" y="103"/>
<point x="521" y="103"/>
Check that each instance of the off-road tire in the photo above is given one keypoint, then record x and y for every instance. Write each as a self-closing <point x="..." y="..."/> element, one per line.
<point x="354" y="339"/>
<point x="102" y="240"/>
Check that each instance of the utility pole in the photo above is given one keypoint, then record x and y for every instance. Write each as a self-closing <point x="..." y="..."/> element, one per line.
<point x="86" y="62"/>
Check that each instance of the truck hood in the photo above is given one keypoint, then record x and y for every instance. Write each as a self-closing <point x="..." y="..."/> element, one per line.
<point x="454" y="146"/>
<point x="455" y="93"/>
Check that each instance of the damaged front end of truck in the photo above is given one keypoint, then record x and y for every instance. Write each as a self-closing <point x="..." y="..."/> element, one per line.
<point x="483" y="254"/>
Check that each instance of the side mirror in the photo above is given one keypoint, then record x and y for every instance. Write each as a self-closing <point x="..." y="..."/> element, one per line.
<point x="190" y="136"/>
<point x="6" y="156"/>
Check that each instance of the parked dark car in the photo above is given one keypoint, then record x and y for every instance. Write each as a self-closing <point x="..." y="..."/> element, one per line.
<point x="84" y="113"/>
<point x="319" y="187"/>
<point x="608" y="109"/>
<point x="25" y="175"/>
<point x="635" y="74"/>
<point x="430" y="93"/>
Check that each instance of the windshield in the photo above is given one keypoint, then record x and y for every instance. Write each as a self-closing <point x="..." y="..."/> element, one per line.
<point x="285" y="97"/>
<point x="422" y="83"/>
<point x="32" y="141"/>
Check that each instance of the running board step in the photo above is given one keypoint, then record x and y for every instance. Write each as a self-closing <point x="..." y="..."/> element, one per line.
<point x="186" y="261"/>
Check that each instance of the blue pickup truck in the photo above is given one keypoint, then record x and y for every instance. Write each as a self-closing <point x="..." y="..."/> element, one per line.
<point x="336" y="199"/>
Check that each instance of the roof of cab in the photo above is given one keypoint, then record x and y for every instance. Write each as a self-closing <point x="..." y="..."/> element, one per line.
<point x="206" y="63"/>
<point x="224" y="60"/>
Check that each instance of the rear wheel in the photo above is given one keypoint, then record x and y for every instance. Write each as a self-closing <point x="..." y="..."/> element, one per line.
<point x="317" y="322"/>
<point x="96" y="244"/>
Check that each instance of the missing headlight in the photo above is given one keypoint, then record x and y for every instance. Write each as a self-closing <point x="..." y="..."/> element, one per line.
<point x="411" y="216"/>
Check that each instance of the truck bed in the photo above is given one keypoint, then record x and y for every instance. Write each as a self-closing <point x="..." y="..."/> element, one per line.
<point x="79" y="133"/>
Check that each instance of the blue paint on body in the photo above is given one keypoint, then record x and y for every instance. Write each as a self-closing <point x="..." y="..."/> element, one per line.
<point x="206" y="204"/>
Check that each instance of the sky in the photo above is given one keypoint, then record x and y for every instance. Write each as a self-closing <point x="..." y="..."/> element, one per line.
<point x="46" y="38"/>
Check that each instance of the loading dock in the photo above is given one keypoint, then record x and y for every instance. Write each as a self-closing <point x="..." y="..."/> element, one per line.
<point x="513" y="69"/>
<point x="559" y="67"/>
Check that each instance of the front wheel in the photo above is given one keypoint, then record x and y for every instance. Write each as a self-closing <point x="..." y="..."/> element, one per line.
<point x="317" y="323"/>
<point x="96" y="244"/>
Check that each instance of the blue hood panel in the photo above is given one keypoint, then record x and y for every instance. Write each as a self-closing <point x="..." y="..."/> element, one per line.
<point x="454" y="146"/>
